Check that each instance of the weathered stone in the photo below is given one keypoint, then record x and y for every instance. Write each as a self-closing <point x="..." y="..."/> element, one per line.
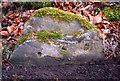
<point x="46" y="23"/>
<point x="77" y="41"/>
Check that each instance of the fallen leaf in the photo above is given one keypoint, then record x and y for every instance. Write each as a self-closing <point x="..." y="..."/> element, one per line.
<point x="11" y="16"/>
<point x="16" y="32"/>
<point x="17" y="20"/>
<point x="4" y="29"/>
<point x="9" y="29"/>
<point x="99" y="26"/>
<point x="66" y="3"/>
<point x="74" y="11"/>
<point x="97" y="19"/>
<point x="22" y="27"/>
<point x="8" y="38"/>
<point x="4" y="33"/>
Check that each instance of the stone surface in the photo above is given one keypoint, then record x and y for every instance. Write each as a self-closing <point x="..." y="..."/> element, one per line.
<point x="46" y="23"/>
<point x="85" y="46"/>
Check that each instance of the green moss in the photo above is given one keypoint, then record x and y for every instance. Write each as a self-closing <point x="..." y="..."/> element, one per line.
<point x="33" y="5"/>
<point x="45" y="36"/>
<point x="23" y="38"/>
<point x="38" y="5"/>
<point x="112" y="13"/>
<point x="63" y="16"/>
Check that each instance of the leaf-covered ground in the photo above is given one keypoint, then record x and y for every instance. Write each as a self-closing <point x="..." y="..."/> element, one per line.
<point x="100" y="14"/>
<point x="105" y="16"/>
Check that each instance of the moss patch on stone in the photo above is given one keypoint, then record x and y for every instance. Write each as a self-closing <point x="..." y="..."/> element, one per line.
<point x="56" y="13"/>
<point x="23" y="38"/>
<point x="45" y="36"/>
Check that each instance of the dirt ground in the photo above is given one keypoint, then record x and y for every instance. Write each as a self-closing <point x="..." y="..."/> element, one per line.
<point x="94" y="70"/>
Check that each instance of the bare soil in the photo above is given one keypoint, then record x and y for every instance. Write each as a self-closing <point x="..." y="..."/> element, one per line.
<point x="94" y="70"/>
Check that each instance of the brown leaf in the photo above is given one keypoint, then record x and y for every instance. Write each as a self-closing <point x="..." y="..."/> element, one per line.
<point x="103" y="35"/>
<point x="20" y="31"/>
<point x="69" y="7"/>
<point x="16" y="32"/>
<point x="97" y="19"/>
<point x="9" y="38"/>
<point x="66" y="3"/>
<point x="4" y="18"/>
<point x="99" y="25"/>
<point x="9" y="29"/>
<point x="4" y="33"/>
<point x="11" y="16"/>
<point x="4" y="29"/>
<point x="21" y="28"/>
<point x="74" y="11"/>
<point x="9" y="13"/>
<point x="17" y="20"/>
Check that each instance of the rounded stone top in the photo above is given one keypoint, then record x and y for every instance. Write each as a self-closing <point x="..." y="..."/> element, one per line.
<point x="61" y="15"/>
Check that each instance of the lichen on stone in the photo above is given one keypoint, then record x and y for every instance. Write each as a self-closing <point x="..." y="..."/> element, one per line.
<point x="56" y="13"/>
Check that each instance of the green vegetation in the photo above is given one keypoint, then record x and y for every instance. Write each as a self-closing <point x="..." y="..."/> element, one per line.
<point x="23" y="38"/>
<point x="63" y="16"/>
<point x="45" y="36"/>
<point x="34" y="5"/>
<point x="112" y="13"/>
<point x="38" y="5"/>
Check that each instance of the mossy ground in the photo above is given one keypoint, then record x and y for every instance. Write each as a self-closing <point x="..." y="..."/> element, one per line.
<point x="112" y="14"/>
<point x="63" y="16"/>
